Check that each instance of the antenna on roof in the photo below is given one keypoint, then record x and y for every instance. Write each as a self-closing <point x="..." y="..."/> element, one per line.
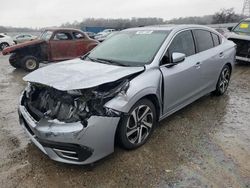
<point x="246" y="8"/>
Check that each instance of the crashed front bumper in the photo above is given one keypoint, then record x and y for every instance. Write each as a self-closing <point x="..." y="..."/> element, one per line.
<point x="71" y="142"/>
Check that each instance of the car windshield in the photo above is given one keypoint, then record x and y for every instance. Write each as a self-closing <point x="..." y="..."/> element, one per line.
<point x="46" y="35"/>
<point x="130" y="48"/>
<point x="243" y="27"/>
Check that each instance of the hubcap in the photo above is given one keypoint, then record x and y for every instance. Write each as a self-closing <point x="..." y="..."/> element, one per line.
<point x="224" y="80"/>
<point x="31" y="64"/>
<point x="139" y="124"/>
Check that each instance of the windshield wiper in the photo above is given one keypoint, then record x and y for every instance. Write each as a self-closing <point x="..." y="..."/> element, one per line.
<point x="112" y="62"/>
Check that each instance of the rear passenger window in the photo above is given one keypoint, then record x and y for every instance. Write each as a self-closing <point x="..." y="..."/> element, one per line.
<point x="78" y="35"/>
<point x="183" y="43"/>
<point x="203" y="39"/>
<point x="62" y="36"/>
<point x="216" y="39"/>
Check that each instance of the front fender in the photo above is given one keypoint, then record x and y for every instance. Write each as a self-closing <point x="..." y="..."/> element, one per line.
<point x="147" y="83"/>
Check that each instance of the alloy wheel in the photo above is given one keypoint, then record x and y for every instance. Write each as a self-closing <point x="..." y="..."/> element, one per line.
<point x="139" y="124"/>
<point x="224" y="80"/>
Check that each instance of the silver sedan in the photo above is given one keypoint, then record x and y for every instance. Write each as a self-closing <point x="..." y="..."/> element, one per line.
<point x="75" y="110"/>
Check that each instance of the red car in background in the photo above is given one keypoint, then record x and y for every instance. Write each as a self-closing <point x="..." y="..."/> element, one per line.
<point x="53" y="45"/>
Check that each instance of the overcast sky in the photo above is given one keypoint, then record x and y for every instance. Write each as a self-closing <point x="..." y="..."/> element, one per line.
<point x="42" y="13"/>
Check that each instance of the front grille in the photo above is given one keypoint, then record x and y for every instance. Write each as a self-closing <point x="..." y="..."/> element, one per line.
<point x="243" y="47"/>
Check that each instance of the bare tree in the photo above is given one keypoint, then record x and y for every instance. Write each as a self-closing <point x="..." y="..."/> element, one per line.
<point x="226" y="16"/>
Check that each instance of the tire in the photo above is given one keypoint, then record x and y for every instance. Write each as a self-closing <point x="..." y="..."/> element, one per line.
<point x="4" y="45"/>
<point x="133" y="134"/>
<point x="29" y="63"/>
<point x="223" y="81"/>
<point x="14" y="61"/>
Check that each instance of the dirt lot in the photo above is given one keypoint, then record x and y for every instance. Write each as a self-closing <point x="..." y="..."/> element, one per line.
<point x="207" y="144"/>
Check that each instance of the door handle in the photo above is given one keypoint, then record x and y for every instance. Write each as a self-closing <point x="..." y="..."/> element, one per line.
<point x="221" y="54"/>
<point x="198" y="65"/>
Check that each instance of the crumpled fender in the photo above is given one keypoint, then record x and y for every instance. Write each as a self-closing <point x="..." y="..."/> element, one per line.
<point x="147" y="83"/>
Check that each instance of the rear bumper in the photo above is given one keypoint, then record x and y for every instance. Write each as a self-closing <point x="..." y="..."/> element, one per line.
<point x="71" y="142"/>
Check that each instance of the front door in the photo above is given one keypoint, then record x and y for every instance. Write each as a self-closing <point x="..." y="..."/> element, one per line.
<point x="182" y="82"/>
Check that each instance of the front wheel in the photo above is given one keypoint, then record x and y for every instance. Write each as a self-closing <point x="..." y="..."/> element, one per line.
<point x="223" y="81"/>
<point x="30" y="63"/>
<point x="136" y="128"/>
<point x="14" y="60"/>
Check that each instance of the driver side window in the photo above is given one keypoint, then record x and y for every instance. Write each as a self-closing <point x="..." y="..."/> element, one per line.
<point x="182" y="43"/>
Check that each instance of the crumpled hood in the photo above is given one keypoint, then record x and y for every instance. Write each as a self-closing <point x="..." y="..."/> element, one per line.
<point x="79" y="74"/>
<point x="241" y="36"/>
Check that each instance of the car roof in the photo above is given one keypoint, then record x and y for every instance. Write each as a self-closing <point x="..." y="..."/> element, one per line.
<point x="170" y="27"/>
<point x="62" y="29"/>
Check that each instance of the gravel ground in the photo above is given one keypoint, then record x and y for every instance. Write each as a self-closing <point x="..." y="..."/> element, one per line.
<point x="207" y="144"/>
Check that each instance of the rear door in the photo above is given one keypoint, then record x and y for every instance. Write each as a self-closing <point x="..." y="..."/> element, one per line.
<point x="81" y="42"/>
<point x="211" y="57"/>
<point x="182" y="81"/>
<point x="62" y="46"/>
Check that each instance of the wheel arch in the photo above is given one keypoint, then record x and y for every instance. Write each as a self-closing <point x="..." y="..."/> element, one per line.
<point x="230" y="66"/>
<point x="152" y="97"/>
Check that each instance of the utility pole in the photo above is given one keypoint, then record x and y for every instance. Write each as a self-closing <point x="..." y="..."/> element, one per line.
<point x="246" y="8"/>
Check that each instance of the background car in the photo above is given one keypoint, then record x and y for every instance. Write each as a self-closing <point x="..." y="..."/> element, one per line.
<point x="223" y="31"/>
<point x="121" y="89"/>
<point x="23" y="38"/>
<point x="101" y="36"/>
<point x="91" y="35"/>
<point x="5" y="41"/>
<point x="52" y="46"/>
<point x="240" y="35"/>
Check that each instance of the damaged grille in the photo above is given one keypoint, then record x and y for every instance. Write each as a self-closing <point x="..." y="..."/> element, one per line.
<point x="243" y="47"/>
<point x="71" y="106"/>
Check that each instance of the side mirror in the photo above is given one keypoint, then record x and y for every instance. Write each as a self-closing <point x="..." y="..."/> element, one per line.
<point x="230" y="28"/>
<point x="178" y="57"/>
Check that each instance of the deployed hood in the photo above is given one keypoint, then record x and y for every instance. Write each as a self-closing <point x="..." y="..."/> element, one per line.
<point x="22" y="45"/>
<point x="241" y="36"/>
<point x="79" y="74"/>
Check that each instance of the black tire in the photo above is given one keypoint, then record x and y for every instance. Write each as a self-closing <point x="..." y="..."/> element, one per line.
<point x="29" y="63"/>
<point x="14" y="61"/>
<point x="129" y="140"/>
<point x="223" y="81"/>
<point x="4" y="45"/>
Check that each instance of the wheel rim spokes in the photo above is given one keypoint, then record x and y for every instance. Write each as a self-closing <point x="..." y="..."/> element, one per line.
<point x="224" y="80"/>
<point x="139" y="124"/>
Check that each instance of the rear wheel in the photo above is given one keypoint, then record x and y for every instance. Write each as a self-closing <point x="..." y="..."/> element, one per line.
<point x="4" y="45"/>
<point x="223" y="81"/>
<point x="136" y="128"/>
<point x="30" y="63"/>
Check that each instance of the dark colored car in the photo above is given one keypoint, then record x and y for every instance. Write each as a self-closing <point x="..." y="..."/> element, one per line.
<point x="53" y="45"/>
<point x="240" y="35"/>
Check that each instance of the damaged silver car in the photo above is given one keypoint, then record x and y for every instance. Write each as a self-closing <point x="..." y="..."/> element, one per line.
<point x="74" y="111"/>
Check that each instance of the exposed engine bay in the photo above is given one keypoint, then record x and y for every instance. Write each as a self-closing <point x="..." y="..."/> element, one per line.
<point x="243" y="47"/>
<point x="72" y="106"/>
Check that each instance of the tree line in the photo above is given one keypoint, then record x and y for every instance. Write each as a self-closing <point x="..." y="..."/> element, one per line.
<point x="223" y="16"/>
